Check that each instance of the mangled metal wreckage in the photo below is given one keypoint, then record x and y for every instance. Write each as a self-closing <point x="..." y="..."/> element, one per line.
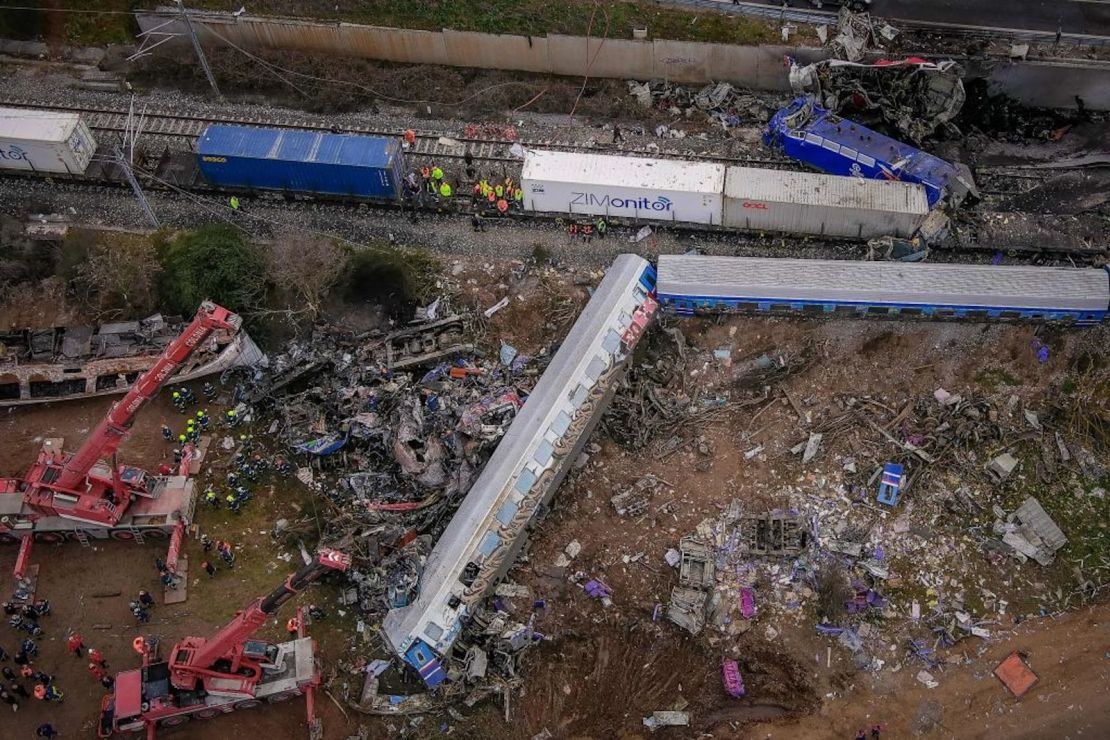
<point x="492" y="523"/>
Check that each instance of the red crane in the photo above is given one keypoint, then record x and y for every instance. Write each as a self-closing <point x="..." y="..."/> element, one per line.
<point x="206" y="677"/>
<point x="73" y="486"/>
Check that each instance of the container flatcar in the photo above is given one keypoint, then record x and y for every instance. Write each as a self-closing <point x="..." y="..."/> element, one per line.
<point x="693" y="284"/>
<point x="245" y="157"/>
<point x="45" y="141"/>
<point x="623" y="187"/>
<point x="828" y="205"/>
<point x="809" y="133"/>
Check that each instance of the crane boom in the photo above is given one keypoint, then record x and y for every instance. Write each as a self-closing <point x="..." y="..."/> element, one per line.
<point x="108" y="435"/>
<point x="195" y="658"/>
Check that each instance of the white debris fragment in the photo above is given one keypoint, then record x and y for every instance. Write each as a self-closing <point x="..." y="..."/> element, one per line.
<point x="812" y="445"/>
<point x="927" y="678"/>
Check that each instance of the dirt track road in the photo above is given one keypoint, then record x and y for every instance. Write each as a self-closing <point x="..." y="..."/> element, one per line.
<point x="1071" y="698"/>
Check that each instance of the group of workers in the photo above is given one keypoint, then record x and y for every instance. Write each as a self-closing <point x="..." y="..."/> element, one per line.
<point x="12" y="688"/>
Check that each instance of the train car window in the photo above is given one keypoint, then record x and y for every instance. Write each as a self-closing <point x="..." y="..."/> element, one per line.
<point x="454" y="602"/>
<point x="849" y="153"/>
<point x="433" y="631"/>
<point x="596" y="368"/>
<point x="846" y="310"/>
<point x="612" y="342"/>
<point x="561" y="424"/>
<point x="878" y="310"/>
<point x="813" y="308"/>
<point x="977" y="314"/>
<point x="747" y="306"/>
<point x="910" y="311"/>
<point x="865" y="160"/>
<point x="470" y="573"/>
<point x="832" y="146"/>
<point x="814" y="139"/>
<point x="944" y="313"/>
<point x="506" y="513"/>
<point x="544" y="453"/>
<point x="525" y="482"/>
<point x="579" y="396"/>
<point x="780" y="307"/>
<point x="488" y="544"/>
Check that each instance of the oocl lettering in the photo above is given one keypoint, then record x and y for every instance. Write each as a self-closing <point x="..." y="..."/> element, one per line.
<point x="660" y="203"/>
<point x="755" y="204"/>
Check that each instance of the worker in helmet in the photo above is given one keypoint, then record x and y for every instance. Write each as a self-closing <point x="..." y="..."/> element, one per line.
<point x="178" y="402"/>
<point x="202" y="419"/>
<point x="167" y="433"/>
<point x="232" y="502"/>
<point x="211" y="498"/>
<point x="208" y="390"/>
<point x="233" y="201"/>
<point x="293" y="626"/>
<point x="182" y="439"/>
<point x="232" y="418"/>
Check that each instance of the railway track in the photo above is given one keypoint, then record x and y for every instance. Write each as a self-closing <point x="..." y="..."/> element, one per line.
<point x="428" y="144"/>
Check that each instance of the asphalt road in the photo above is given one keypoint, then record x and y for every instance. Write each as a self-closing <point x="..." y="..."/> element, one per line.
<point x="1088" y="17"/>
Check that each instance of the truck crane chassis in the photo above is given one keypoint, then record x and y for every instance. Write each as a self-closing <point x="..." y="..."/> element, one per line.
<point x="88" y="494"/>
<point x="204" y="678"/>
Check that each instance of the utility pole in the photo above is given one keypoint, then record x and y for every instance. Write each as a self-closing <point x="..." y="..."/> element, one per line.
<point x="199" y="49"/>
<point x="125" y="157"/>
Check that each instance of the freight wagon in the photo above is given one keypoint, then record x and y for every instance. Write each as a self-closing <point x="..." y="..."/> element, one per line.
<point x="811" y="134"/>
<point x="810" y="203"/>
<point x="45" y="141"/>
<point x="301" y="161"/>
<point x="623" y="187"/>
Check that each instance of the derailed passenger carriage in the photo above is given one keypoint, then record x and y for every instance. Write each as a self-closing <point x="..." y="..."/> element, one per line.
<point x="491" y="526"/>
<point x="697" y="284"/>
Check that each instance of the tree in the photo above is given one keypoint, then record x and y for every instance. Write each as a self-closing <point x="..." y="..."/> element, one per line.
<point x="212" y="262"/>
<point x="306" y="269"/>
<point x="121" y="275"/>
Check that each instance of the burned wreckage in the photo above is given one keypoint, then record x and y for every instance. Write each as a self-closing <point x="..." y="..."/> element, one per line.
<point x="440" y="471"/>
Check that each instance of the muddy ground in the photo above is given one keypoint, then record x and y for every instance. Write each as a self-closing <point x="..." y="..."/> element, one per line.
<point x="604" y="669"/>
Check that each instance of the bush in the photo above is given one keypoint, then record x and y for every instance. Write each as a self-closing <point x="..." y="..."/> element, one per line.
<point x="212" y="262"/>
<point x="397" y="279"/>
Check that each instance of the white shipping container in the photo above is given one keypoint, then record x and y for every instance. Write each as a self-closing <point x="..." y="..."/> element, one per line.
<point x="624" y="187"/>
<point x="45" y="141"/>
<point x="829" y="205"/>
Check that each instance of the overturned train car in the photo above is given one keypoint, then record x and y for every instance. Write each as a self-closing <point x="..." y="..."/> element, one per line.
<point x="492" y="524"/>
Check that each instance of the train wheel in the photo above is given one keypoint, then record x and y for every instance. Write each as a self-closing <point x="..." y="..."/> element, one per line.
<point x="208" y="713"/>
<point x="122" y="535"/>
<point x="248" y="704"/>
<point x="155" y="534"/>
<point x="175" y="721"/>
<point x="49" y="538"/>
<point x="282" y="696"/>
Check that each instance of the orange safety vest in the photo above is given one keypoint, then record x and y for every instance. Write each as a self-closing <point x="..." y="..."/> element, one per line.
<point x="587" y="230"/>
<point x="502" y="205"/>
<point x="491" y="197"/>
<point x="573" y="228"/>
<point x="410" y="136"/>
<point x="139" y="644"/>
<point x="425" y="172"/>
<point x="292" y="625"/>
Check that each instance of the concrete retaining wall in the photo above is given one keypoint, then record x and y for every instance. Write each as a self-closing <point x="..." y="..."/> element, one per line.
<point x="1044" y="84"/>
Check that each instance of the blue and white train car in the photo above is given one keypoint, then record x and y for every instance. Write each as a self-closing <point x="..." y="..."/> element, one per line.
<point x="809" y="133"/>
<point x="483" y="538"/>
<point x="697" y="284"/>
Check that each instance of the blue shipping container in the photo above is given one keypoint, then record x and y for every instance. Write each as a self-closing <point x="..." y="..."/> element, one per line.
<point x="824" y="140"/>
<point x="301" y="161"/>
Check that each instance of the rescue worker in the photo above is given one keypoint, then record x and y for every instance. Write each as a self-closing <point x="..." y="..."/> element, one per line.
<point x="202" y="419"/>
<point x="208" y="568"/>
<point x="445" y="190"/>
<point x="243" y="494"/>
<point x="293" y="627"/>
<point x="617" y="138"/>
<point x="410" y="138"/>
<point x="194" y="435"/>
<point x="211" y="498"/>
<point x="477" y="223"/>
<point x="168" y="581"/>
<point x="96" y="671"/>
<point x="232" y="503"/>
<point x="46" y="730"/>
<point x="233" y="201"/>
<point x="573" y="231"/>
<point x="209" y="391"/>
<point x="141" y="614"/>
<point x="53" y="693"/>
<point x="178" y="402"/>
<point x="75" y="644"/>
<point x="518" y="197"/>
<point x="145" y="598"/>
<point x="602" y="227"/>
<point x="40" y="692"/>
<point x="232" y="418"/>
<point x="247" y="442"/>
<point x="587" y="233"/>
<point x="502" y="206"/>
<point x="97" y="657"/>
<point x="182" y="439"/>
<point x="437" y="175"/>
<point x="499" y="191"/>
<point x="17" y="688"/>
<point x="232" y="479"/>
<point x="167" y="433"/>
<point x="177" y="455"/>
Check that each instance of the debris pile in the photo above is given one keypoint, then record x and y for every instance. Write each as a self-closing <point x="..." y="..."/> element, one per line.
<point x="916" y="97"/>
<point x="719" y="102"/>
